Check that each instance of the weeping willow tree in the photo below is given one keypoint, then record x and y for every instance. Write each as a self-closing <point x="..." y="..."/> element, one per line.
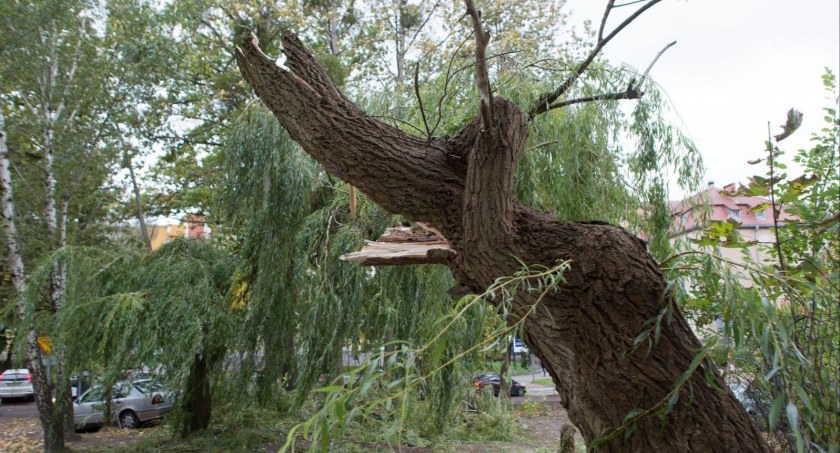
<point x="464" y="186"/>
<point x="304" y="311"/>
<point x="580" y="169"/>
<point x="268" y="192"/>
<point x="167" y="311"/>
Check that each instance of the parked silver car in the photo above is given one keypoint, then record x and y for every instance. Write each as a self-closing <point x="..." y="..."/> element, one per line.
<point x="133" y="402"/>
<point x="16" y="384"/>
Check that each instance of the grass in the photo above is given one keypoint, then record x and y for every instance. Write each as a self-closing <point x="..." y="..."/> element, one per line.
<point x="544" y="381"/>
<point x="516" y="368"/>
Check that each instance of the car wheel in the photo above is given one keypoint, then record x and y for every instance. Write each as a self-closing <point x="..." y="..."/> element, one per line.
<point x="128" y="419"/>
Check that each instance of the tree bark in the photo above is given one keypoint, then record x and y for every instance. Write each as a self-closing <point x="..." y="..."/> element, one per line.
<point x="138" y="200"/>
<point x="462" y="186"/>
<point x="198" y="404"/>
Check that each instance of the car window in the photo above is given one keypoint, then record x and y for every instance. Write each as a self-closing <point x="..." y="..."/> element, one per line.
<point x="121" y="390"/>
<point x="149" y="386"/>
<point x="96" y="394"/>
<point x="14" y="376"/>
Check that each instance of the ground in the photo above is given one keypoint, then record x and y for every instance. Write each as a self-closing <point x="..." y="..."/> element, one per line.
<point x="539" y="413"/>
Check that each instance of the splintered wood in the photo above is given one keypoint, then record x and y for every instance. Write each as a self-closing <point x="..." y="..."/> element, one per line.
<point x="404" y="245"/>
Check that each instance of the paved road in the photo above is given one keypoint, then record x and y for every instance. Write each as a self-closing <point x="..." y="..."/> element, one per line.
<point x="535" y="389"/>
<point x="18" y="409"/>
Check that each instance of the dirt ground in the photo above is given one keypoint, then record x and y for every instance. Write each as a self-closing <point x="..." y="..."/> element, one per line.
<point x="24" y="435"/>
<point x="542" y="430"/>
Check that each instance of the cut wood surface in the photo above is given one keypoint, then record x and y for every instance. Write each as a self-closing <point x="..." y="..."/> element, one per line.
<point x="404" y="245"/>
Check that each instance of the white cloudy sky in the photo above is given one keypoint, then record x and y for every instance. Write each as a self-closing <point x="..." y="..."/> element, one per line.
<point x="737" y="64"/>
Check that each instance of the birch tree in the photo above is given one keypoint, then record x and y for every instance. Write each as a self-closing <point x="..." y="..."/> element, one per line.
<point x="53" y="432"/>
<point x="49" y="85"/>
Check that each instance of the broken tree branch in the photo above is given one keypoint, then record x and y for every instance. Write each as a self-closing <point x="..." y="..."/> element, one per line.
<point x="633" y="91"/>
<point x="404" y="245"/>
<point x="420" y="101"/>
<point x="482" y="79"/>
<point x="655" y="59"/>
<point x="546" y="100"/>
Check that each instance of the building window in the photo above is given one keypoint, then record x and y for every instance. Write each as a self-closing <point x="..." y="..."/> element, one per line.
<point x="684" y="216"/>
<point x="760" y="215"/>
<point x="734" y="213"/>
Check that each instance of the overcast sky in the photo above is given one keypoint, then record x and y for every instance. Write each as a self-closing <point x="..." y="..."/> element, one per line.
<point x="737" y="64"/>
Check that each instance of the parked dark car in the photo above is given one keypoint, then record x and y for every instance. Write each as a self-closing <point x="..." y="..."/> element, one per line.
<point x="482" y="380"/>
<point x="756" y="402"/>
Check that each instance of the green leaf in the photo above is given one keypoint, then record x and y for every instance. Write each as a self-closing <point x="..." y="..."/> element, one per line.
<point x="806" y="400"/>
<point x="632" y="414"/>
<point x="630" y="430"/>
<point x="775" y="411"/>
<point x="325" y="436"/>
<point x="759" y="207"/>
<point x="328" y="389"/>
<point x="793" y="416"/>
<point x="340" y="410"/>
<point x="673" y="398"/>
<point x="641" y="337"/>
<point x="694" y="363"/>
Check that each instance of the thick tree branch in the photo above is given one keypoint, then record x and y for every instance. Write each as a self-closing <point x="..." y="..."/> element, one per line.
<point x="351" y="144"/>
<point x="482" y="79"/>
<point x="463" y="184"/>
<point x="544" y="101"/>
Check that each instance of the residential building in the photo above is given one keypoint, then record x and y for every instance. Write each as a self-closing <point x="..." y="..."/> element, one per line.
<point x="692" y="215"/>
<point x="192" y="227"/>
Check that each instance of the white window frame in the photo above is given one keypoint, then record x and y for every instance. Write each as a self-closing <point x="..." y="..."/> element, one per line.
<point x="734" y="213"/>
